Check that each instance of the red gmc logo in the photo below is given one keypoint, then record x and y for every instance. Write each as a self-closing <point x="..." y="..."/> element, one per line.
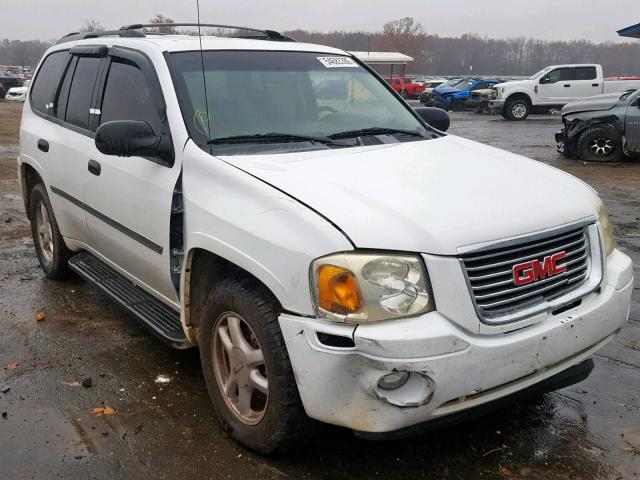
<point x="534" y="270"/>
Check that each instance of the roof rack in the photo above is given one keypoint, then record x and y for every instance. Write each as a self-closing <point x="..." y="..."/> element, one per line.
<point x="132" y="31"/>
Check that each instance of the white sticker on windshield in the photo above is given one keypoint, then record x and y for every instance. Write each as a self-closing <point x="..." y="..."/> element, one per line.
<point x="337" y="62"/>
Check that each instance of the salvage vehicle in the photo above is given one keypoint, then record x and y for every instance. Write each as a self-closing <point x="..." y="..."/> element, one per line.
<point x="478" y="100"/>
<point x="455" y="97"/>
<point x="601" y="128"/>
<point x="405" y="87"/>
<point x="552" y="88"/>
<point x="18" y="94"/>
<point x="426" y="96"/>
<point x="9" y="80"/>
<point x="318" y="252"/>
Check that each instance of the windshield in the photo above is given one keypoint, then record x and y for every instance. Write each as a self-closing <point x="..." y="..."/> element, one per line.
<point x="450" y="83"/>
<point x="540" y="73"/>
<point x="464" y="84"/>
<point x="270" y="96"/>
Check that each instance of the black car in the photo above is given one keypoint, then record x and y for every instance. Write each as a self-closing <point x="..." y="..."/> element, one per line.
<point x="8" y="80"/>
<point x="601" y="128"/>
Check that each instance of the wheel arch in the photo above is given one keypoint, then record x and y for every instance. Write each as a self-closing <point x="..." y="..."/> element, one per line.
<point x="29" y="177"/>
<point x="519" y="96"/>
<point x="202" y="269"/>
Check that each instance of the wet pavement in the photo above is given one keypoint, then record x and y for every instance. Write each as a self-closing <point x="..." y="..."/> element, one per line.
<point x="163" y="426"/>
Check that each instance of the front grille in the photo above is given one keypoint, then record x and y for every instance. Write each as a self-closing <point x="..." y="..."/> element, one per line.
<point x="491" y="277"/>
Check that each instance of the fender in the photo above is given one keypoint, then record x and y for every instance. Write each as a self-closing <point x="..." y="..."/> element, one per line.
<point x="24" y="162"/>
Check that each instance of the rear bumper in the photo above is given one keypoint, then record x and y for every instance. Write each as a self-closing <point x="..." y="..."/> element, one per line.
<point x="451" y="369"/>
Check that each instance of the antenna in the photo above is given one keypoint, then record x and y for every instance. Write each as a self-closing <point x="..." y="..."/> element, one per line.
<point x="204" y="80"/>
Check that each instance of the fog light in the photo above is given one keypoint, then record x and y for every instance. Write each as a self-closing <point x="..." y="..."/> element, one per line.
<point x="393" y="380"/>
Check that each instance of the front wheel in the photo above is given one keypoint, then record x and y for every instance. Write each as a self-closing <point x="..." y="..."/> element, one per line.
<point x="52" y="253"/>
<point x="247" y="369"/>
<point x="600" y="144"/>
<point x="517" y="109"/>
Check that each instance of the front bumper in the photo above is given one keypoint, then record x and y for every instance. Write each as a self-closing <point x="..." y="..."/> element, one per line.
<point x="339" y="384"/>
<point x="15" y="98"/>
<point x="496" y="105"/>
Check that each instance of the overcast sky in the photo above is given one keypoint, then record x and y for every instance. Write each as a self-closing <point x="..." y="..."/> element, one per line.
<point x="596" y="20"/>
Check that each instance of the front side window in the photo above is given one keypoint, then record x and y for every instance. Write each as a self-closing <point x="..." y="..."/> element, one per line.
<point x="81" y="92"/>
<point x="46" y="82"/>
<point x="127" y="96"/>
<point x="251" y="93"/>
<point x="559" y="74"/>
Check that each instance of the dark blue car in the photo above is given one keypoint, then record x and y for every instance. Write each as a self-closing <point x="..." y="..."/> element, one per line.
<point x="453" y="97"/>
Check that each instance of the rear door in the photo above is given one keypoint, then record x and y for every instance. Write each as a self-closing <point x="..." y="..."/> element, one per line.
<point x="555" y="87"/>
<point x="131" y="197"/>
<point x="584" y="82"/>
<point x="632" y="125"/>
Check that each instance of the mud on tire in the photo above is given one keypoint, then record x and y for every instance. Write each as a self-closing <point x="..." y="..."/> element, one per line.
<point x="284" y="423"/>
<point x="51" y="250"/>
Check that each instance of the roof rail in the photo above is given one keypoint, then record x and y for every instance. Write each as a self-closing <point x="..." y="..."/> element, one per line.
<point x="269" y="34"/>
<point x="70" y="37"/>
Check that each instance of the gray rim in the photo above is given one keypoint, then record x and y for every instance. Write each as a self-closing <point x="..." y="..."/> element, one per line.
<point x="601" y="146"/>
<point x="44" y="232"/>
<point x="519" y="110"/>
<point x="240" y="371"/>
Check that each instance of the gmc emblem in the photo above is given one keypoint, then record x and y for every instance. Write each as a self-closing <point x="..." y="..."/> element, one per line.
<point x="527" y="272"/>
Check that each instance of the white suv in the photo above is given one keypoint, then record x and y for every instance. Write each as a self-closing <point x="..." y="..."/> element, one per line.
<point x="332" y="254"/>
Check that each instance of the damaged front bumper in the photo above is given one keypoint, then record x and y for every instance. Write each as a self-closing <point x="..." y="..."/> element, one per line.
<point x="339" y="368"/>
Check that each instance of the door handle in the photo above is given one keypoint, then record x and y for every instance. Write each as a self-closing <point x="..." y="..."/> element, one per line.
<point x="94" y="167"/>
<point x="43" y="145"/>
<point x="567" y="85"/>
<point x="595" y="84"/>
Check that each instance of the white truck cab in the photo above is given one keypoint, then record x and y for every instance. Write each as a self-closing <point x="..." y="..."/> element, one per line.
<point x="331" y="253"/>
<point x="554" y="87"/>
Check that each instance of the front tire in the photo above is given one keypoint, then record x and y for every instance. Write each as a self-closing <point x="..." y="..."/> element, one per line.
<point x="247" y="369"/>
<point x="601" y="143"/>
<point x="517" y="109"/>
<point x="51" y="250"/>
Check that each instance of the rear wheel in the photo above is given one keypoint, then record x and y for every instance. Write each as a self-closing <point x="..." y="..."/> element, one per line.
<point x="52" y="253"/>
<point x="600" y="144"/>
<point x="247" y="368"/>
<point x="516" y="109"/>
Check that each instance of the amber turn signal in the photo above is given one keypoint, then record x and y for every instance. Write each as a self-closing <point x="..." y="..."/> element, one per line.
<point x="338" y="290"/>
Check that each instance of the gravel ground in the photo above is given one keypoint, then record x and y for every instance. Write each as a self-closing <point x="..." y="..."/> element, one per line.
<point x="167" y="430"/>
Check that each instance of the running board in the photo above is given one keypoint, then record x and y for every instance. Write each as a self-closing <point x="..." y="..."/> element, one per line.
<point x="163" y="321"/>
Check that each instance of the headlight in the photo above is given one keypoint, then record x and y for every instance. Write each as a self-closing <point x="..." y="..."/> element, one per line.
<point x="369" y="287"/>
<point x="608" y="242"/>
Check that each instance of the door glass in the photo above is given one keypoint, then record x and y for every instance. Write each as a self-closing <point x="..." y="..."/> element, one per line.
<point x="127" y="96"/>
<point x="47" y="80"/>
<point x="84" y="80"/>
<point x="584" y="73"/>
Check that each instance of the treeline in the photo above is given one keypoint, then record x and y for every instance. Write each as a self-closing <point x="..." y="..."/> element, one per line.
<point x="433" y="54"/>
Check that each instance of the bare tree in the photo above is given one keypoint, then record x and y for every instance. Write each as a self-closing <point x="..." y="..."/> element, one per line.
<point x="160" y="19"/>
<point x="91" y="25"/>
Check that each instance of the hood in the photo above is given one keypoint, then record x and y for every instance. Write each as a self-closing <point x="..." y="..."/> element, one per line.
<point x="18" y="90"/>
<point x="445" y="90"/>
<point x="512" y="83"/>
<point x="591" y="104"/>
<point x="430" y="196"/>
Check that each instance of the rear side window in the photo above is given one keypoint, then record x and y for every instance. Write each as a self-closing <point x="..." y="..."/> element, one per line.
<point x="47" y="80"/>
<point x="82" y="85"/>
<point x="584" y="73"/>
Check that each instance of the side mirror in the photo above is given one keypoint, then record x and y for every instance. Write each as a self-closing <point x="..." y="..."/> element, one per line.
<point x="545" y="79"/>
<point x="129" y="138"/>
<point x="436" y="117"/>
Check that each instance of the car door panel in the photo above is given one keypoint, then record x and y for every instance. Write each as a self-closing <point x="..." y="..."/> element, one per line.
<point x="632" y="127"/>
<point x="131" y="197"/>
<point x="558" y="90"/>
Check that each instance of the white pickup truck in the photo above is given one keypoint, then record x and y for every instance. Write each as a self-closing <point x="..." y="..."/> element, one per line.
<point x="554" y="87"/>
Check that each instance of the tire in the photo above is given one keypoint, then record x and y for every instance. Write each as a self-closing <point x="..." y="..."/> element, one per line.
<point x="279" y="422"/>
<point x="516" y="109"/>
<point x="52" y="253"/>
<point x="600" y="143"/>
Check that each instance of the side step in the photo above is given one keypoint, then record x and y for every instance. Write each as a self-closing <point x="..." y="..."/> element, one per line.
<point x="163" y="321"/>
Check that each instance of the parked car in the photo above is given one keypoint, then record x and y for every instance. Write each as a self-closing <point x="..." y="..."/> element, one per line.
<point x="18" y="94"/>
<point x="601" y="128"/>
<point x="478" y="100"/>
<point x="342" y="259"/>
<point x="10" y="80"/>
<point x="553" y="87"/>
<point x="405" y="87"/>
<point x="428" y="93"/>
<point x="455" y="97"/>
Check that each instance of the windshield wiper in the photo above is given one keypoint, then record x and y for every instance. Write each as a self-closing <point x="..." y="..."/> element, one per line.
<point x="374" y="131"/>
<point x="272" y="136"/>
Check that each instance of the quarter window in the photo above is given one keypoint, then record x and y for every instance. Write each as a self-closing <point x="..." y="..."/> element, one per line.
<point x="47" y="80"/>
<point x="82" y="85"/>
<point x="127" y="96"/>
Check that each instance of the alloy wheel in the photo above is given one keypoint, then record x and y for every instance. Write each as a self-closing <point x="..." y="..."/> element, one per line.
<point x="519" y="110"/>
<point x="601" y="146"/>
<point x="45" y="232"/>
<point x="239" y="367"/>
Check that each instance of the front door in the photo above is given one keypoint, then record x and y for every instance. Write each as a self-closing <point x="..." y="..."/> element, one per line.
<point x="131" y="197"/>
<point x="555" y="87"/>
